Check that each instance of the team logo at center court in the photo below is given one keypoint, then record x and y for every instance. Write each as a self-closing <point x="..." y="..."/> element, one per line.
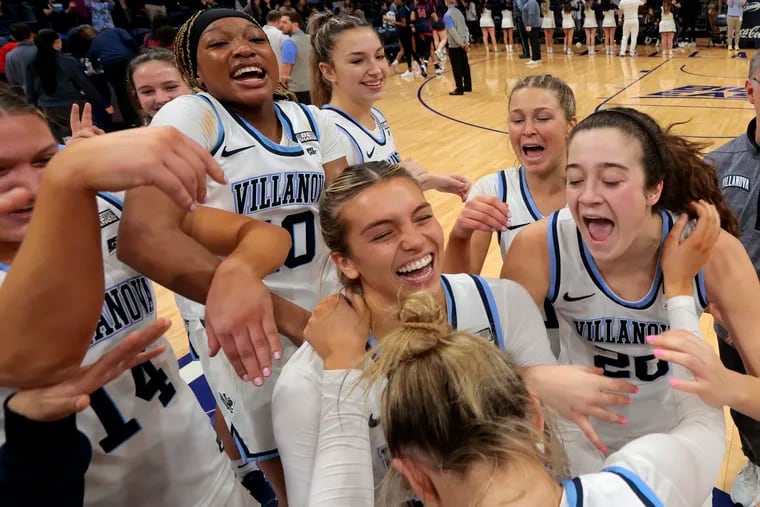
<point x="227" y="401"/>
<point x="700" y="92"/>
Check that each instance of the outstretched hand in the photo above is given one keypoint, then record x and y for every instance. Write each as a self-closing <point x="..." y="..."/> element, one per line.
<point x="70" y="396"/>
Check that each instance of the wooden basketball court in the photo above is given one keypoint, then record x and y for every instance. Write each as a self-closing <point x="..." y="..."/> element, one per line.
<point x="699" y="87"/>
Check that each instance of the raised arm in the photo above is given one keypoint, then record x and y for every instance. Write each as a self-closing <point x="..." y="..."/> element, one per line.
<point x="34" y="347"/>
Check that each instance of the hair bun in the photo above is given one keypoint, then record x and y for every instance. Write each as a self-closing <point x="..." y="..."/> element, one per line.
<point x="425" y="319"/>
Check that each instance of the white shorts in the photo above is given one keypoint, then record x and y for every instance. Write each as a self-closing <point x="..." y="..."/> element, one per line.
<point x="667" y="26"/>
<point x="247" y="409"/>
<point x="590" y="23"/>
<point x="547" y="23"/>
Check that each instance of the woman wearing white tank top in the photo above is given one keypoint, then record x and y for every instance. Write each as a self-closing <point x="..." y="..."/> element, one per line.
<point x="349" y="70"/>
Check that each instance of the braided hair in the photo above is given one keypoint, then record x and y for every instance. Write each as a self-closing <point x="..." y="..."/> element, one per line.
<point x="186" y="47"/>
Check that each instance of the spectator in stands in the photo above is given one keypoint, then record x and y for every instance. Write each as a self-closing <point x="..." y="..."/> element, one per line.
<point x="78" y="12"/>
<point x="295" y="72"/>
<point x="734" y="23"/>
<point x="151" y="38"/>
<point x="155" y="7"/>
<point x="18" y="61"/>
<point x="114" y="48"/>
<point x="4" y="50"/>
<point x="275" y="35"/>
<point x="101" y="13"/>
<point x="166" y="35"/>
<point x="56" y="82"/>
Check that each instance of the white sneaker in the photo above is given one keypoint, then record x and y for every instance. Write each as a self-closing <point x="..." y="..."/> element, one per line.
<point x="407" y="75"/>
<point x="622" y="53"/>
<point x="550" y="49"/>
<point x="746" y="489"/>
<point x="634" y="53"/>
<point x="394" y="65"/>
<point x="533" y="62"/>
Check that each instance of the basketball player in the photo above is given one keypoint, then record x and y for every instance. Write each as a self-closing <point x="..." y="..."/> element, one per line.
<point x="462" y="427"/>
<point x="128" y="420"/>
<point x="40" y="425"/>
<point x="599" y="262"/>
<point x="386" y="242"/>
<point x="277" y="156"/>
<point x="348" y="72"/>
<point x="541" y="114"/>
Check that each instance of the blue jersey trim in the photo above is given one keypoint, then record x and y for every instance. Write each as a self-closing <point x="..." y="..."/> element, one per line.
<point x="574" y="492"/>
<point x="383" y="139"/>
<point x="638" y="486"/>
<point x="312" y="120"/>
<point x="353" y="141"/>
<point x="4" y="267"/>
<point x="501" y="192"/>
<point x="528" y="197"/>
<point x="450" y="303"/>
<point x="598" y="279"/>
<point x="702" y="289"/>
<point x="554" y="260"/>
<point x="277" y="149"/>
<point x="219" y="125"/>
<point x="247" y="455"/>
<point x="492" y="311"/>
<point x="111" y="199"/>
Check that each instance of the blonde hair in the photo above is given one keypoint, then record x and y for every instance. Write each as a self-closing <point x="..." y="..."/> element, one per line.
<point x="560" y="88"/>
<point x="453" y="399"/>
<point x="325" y="28"/>
<point x="350" y="183"/>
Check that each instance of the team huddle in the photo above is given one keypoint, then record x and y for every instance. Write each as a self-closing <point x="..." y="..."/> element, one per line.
<point x="357" y="358"/>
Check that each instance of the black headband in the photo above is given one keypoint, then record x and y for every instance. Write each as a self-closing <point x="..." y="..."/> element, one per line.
<point x="203" y="21"/>
<point x="653" y="136"/>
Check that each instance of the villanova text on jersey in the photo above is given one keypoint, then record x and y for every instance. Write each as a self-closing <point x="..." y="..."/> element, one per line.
<point x="618" y="330"/>
<point x="271" y="191"/>
<point x="124" y="305"/>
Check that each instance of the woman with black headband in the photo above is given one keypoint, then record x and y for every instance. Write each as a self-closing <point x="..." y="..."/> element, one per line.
<point x="624" y="254"/>
<point x="278" y="156"/>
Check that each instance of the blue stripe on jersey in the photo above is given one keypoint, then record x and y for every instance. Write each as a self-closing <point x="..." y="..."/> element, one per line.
<point x="348" y="117"/>
<point x="450" y="303"/>
<point x="277" y="149"/>
<point x="574" y="492"/>
<point x="598" y="279"/>
<point x="702" y="289"/>
<point x="528" y="197"/>
<point x="248" y="455"/>
<point x="639" y="487"/>
<point x="353" y="141"/>
<point x="554" y="263"/>
<point x="287" y="125"/>
<point x="311" y="119"/>
<point x="111" y="199"/>
<point x="219" y="125"/>
<point x="501" y="193"/>
<point x="4" y="267"/>
<point x="492" y="311"/>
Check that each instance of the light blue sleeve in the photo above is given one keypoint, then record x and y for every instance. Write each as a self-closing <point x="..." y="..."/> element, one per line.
<point x="289" y="52"/>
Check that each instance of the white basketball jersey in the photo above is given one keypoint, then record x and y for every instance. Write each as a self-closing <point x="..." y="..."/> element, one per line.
<point x="364" y="145"/>
<point x="471" y="308"/>
<point x="152" y="444"/>
<point x="598" y="328"/>
<point x="613" y="486"/>
<point x="511" y="187"/>
<point x="278" y="183"/>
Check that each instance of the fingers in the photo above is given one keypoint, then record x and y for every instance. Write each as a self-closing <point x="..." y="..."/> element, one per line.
<point x="272" y="334"/>
<point x="687" y="386"/>
<point x="604" y="399"/>
<point x="74" y="122"/>
<point x="605" y="415"/>
<point x="262" y="366"/>
<point x="189" y="171"/>
<point x="144" y="357"/>
<point x="616" y="386"/>
<point x="213" y="341"/>
<point x="485" y="214"/>
<point x="674" y="237"/>
<point x="229" y="345"/>
<point x="211" y="168"/>
<point x="357" y="302"/>
<point x="13" y="199"/>
<point x="584" y="424"/>
<point x="86" y="116"/>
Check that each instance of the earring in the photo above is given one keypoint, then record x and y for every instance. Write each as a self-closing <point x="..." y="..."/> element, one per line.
<point x="540" y="447"/>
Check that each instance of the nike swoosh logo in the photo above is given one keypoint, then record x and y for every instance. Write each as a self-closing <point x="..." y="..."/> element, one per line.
<point x="229" y="153"/>
<point x="567" y="297"/>
<point x="371" y="152"/>
<point x="513" y="227"/>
